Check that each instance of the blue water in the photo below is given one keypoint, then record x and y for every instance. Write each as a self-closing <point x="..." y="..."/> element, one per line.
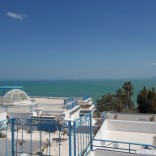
<point x="95" y="88"/>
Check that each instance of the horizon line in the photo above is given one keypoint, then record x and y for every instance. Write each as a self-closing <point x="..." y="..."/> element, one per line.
<point x="128" y="79"/>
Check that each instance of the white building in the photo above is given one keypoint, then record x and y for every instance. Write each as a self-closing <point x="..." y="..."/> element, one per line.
<point x="134" y="134"/>
<point x="17" y="104"/>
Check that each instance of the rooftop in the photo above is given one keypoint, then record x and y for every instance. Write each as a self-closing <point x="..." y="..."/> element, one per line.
<point x="125" y="132"/>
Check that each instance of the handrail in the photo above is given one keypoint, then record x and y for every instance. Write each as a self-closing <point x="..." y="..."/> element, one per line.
<point x="117" y="145"/>
<point x="85" y="97"/>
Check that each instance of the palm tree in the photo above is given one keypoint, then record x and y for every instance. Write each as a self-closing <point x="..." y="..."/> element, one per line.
<point x="128" y="88"/>
<point x="120" y="93"/>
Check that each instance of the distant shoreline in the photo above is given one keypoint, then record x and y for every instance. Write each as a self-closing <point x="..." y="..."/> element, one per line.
<point x="95" y="88"/>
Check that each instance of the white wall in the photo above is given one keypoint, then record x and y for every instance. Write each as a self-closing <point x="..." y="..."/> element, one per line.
<point x="3" y="116"/>
<point x="131" y="126"/>
<point x="73" y="116"/>
<point x="130" y="116"/>
<point x="19" y="115"/>
<point x="102" y="130"/>
<point x="110" y="153"/>
<point x="148" y="128"/>
<point x="127" y="126"/>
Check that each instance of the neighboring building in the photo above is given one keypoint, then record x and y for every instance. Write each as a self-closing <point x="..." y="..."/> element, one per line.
<point x="17" y="104"/>
<point x="86" y="105"/>
<point x="121" y="134"/>
<point x="125" y="134"/>
<point x="15" y="97"/>
<point x="65" y="108"/>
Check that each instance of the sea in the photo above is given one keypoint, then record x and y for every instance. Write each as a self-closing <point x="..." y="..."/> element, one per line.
<point x="69" y="88"/>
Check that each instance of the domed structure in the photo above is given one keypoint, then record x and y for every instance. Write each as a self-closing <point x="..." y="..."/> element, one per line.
<point x="16" y="96"/>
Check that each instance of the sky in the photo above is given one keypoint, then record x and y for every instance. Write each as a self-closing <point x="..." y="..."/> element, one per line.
<point x="77" y="39"/>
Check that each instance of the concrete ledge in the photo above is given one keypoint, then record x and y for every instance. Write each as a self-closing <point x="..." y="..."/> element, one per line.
<point x="99" y="152"/>
<point x="131" y="126"/>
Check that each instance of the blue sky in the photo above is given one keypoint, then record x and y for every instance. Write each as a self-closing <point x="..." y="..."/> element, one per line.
<point x="77" y="39"/>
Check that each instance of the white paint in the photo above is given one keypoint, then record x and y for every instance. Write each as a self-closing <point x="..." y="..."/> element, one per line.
<point x="154" y="140"/>
<point x="3" y="116"/>
<point x="102" y="130"/>
<point x="126" y="131"/>
<point x="130" y="116"/>
<point x="20" y="115"/>
<point x="109" y="153"/>
<point x="145" y="152"/>
<point x="132" y="126"/>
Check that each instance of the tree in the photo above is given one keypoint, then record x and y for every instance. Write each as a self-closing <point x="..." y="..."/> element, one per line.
<point x="105" y="103"/>
<point x="142" y="100"/>
<point x="146" y="100"/>
<point x="109" y="102"/>
<point x="119" y="101"/>
<point x="152" y="100"/>
<point x="128" y="88"/>
<point x="120" y="94"/>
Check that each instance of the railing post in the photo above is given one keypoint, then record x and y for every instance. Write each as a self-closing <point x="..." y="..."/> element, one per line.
<point x="129" y="148"/>
<point x="12" y="130"/>
<point x="59" y="129"/>
<point x="22" y="137"/>
<point x="7" y="139"/>
<point x="91" y="132"/>
<point x="69" y="131"/>
<point x="30" y="135"/>
<point x="74" y="138"/>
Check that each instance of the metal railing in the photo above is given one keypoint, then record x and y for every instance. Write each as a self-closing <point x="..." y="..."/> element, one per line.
<point x="82" y="134"/>
<point x="85" y="97"/>
<point x="119" y="146"/>
<point x="37" y="136"/>
<point x="70" y="103"/>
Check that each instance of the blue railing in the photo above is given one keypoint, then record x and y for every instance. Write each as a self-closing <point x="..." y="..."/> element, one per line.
<point x="86" y="97"/>
<point x="70" y="103"/>
<point x="82" y="135"/>
<point x="3" y="124"/>
<point x="15" y="131"/>
<point x="69" y="100"/>
<point x="120" y="146"/>
<point x="4" y="138"/>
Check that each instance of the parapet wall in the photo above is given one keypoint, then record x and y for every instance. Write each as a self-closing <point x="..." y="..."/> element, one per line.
<point x="101" y="131"/>
<point x="3" y="116"/>
<point x="131" y="126"/>
<point x="111" y="153"/>
<point x="20" y="115"/>
<point x="131" y="116"/>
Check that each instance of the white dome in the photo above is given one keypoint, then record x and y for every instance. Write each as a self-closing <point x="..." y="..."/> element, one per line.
<point x="16" y="96"/>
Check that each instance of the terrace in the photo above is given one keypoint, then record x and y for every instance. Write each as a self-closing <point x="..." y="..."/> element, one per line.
<point x="124" y="136"/>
